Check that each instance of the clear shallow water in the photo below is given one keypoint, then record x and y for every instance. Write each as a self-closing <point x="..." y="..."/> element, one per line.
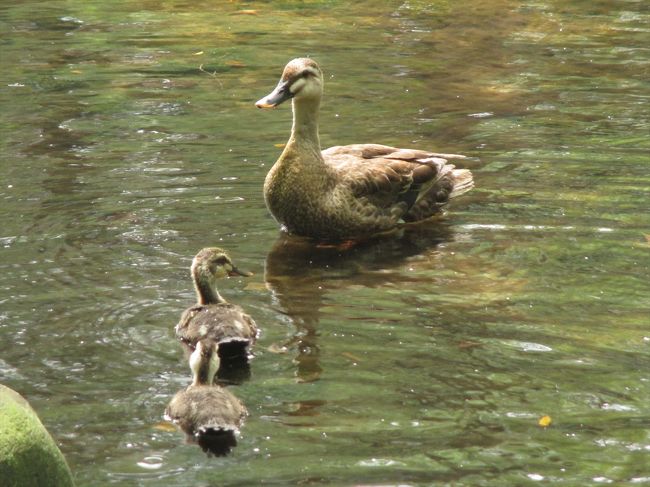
<point x="426" y="359"/>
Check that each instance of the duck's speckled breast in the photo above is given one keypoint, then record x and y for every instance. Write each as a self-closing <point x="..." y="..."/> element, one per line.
<point x="297" y="187"/>
<point x="315" y="204"/>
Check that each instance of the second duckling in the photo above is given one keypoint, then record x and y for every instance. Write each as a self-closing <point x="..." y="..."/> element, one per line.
<point x="208" y="414"/>
<point x="212" y="316"/>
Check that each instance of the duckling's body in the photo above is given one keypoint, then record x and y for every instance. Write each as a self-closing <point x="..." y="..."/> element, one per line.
<point x="207" y="413"/>
<point x="213" y="317"/>
<point x="353" y="191"/>
<point x="225" y="323"/>
<point x="206" y="408"/>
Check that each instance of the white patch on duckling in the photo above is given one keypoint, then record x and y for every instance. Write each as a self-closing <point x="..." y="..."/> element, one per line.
<point x="195" y="359"/>
<point x="203" y="330"/>
<point x="214" y="362"/>
<point x="239" y="326"/>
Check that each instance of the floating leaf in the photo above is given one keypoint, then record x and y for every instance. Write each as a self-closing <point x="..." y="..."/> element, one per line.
<point x="197" y="53"/>
<point x="279" y="146"/>
<point x="255" y="286"/>
<point x="275" y="348"/>
<point x="164" y="426"/>
<point x="245" y="12"/>
<point x="350" y="356"/>
<point x="545" y="421"/>
<point x="233" y="63"/>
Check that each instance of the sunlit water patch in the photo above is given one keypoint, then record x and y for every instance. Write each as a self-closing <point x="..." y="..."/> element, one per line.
<point x="504" y="345"/>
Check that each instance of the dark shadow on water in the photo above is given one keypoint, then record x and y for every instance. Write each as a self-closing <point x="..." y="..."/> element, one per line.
<point x="300" y="273"/>
<point x="236" y="370"/>
<point x="234" y="367"/>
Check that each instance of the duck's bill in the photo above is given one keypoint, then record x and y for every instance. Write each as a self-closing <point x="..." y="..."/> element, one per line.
<point x="236" y="272"/>
<point x="280" y="94"/>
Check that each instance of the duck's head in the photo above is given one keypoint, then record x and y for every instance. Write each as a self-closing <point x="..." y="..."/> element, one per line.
<point x="204" y="362"/>
<point x="301" y="79"/>
<point x="214" y="263"/>
<point x="209" y="265"/>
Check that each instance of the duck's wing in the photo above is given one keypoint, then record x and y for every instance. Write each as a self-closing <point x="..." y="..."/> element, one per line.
<point x="220" y="322"/>
<point x="389" y="175"/>
<point x="374" y="151"/>
<point x="186" y="318"/>
<point x="179" y="411"/>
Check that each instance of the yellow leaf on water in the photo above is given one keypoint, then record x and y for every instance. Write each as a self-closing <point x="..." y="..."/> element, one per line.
<point x="352" y="357"/>
<point x="245" y="12"/>
<point x="76" y="71"/>
<point x="255" y="286"/>
<point x="233" y="63"/>
<point x="198" y="53"/>
<point x="545" y="421"/>
<point x="279" y="146"/>
<point x="276" y="348"/>
<point x="164" y="426"/>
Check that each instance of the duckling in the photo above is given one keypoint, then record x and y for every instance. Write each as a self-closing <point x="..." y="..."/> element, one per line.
<point x="212" y="316"/>
<point x="349" y="192"/>
<point x="208" y="414"/>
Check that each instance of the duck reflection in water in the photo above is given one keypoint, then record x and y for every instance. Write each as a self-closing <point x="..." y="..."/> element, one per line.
<point x="300" y="273"/>
<point x="208" y="414"/>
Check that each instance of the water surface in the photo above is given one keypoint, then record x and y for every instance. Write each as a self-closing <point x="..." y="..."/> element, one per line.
<point x="130" y="140"/>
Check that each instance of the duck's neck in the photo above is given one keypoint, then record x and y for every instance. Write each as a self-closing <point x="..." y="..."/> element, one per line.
<point x="206" y="293"/>
<point x="304" y="131"/>
<point x="203" y="376"/>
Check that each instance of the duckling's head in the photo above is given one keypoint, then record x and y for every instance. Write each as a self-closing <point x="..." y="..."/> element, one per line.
<point x="209" y="265"/>
<point x="204" y="362"/>
<point x="301" y="79"/>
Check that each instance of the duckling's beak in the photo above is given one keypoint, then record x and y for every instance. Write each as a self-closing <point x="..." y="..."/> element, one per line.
<point x="280" y="94"/>
<point x="236" y="272"/>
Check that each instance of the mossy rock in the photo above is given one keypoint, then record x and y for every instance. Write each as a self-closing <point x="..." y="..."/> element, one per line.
<point x="29" y="456"/>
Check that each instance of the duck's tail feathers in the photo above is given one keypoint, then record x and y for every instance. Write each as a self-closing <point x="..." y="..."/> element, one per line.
<point x="217" y="430"/>
<point x="216" y="441"/>
<point x="463" y="182"/>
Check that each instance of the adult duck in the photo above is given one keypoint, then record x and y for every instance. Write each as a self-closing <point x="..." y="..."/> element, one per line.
<point x="349" y="192"/>
<point x="208" y="414"/>
<point x="212" y="316"/>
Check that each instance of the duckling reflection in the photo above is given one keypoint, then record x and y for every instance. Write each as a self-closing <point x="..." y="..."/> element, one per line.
<point x="215" y="318"/>
<point x="208" y="414"/>
<point x="300" y="273"/>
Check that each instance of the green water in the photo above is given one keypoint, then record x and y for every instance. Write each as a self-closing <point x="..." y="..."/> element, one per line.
<point x="130" y="140"/>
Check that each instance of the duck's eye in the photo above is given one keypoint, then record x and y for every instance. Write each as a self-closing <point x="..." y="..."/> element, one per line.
<point x="220" y="261"/>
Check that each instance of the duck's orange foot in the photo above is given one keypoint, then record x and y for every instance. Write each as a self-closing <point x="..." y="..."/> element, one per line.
<point x="342" y="246"/>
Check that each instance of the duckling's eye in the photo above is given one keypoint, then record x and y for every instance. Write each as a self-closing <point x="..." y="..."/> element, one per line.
<point x="219" y="261"/>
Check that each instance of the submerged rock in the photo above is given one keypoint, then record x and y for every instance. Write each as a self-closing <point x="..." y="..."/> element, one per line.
<point x="29" y="456"/>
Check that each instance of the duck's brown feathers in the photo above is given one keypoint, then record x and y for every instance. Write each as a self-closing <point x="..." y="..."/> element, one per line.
<point x="222" y="323"/>
<point x="388" y="175"/>
<point x="363" y="189"/>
